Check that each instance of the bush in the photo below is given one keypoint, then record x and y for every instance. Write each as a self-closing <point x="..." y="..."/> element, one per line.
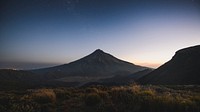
<point x="43" y="96"/>
<point x="25" y="107"/>
<point x="147" y="93"/>
<point x="93" y="99"/>
<point x="92" y="90"/>
<point x="62" y="94"/>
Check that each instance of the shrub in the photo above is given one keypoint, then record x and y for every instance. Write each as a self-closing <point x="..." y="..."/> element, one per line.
<point x="25" y="107"/>
<point x="147" y="92"/>
<point x="92" y="90"/>
<point x="135" y="88"/>
<point x="44" y="96"/>
<point x="93" y="99"/>
<point x="62" y="94"/>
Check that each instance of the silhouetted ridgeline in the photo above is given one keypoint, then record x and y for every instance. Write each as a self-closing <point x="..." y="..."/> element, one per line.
<point x="183" y="68"/>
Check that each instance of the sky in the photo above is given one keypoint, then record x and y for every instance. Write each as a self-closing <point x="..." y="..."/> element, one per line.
<point x="44" y="33"/>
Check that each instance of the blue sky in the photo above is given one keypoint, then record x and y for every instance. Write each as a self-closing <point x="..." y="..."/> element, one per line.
<point x="41" y="33"/>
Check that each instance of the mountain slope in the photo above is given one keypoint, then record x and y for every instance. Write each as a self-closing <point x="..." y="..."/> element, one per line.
<point x="183" y="68"/>
<point x="125" y="79"/>
<point x="97" y="64"/>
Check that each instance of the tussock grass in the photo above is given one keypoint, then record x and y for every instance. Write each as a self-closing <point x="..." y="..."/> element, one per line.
<point x="132" y="98"/>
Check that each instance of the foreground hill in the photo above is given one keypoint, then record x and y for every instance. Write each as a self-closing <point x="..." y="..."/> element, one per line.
<point x="183" y="68"/>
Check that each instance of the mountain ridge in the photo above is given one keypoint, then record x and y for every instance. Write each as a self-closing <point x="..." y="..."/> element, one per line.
<point x="183" y="68"/>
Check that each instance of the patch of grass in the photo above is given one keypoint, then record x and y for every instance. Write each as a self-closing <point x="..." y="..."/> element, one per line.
<point x="43" y="96"/>
<point x="92" y="99"/>
<point x="132" y="98"/>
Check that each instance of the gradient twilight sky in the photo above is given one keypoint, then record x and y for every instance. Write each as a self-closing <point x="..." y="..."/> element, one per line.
<point x="41" y="33"/>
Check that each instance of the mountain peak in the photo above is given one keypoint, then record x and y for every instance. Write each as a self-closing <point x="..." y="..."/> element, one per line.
<point x="99" y="57"/>
<point x="98" y="51"/>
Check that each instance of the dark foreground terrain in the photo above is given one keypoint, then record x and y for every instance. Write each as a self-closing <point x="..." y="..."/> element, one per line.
<point x="131" y="98"/>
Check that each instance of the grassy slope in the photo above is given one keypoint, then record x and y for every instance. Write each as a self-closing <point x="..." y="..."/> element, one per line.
<point x="132" y="98"/>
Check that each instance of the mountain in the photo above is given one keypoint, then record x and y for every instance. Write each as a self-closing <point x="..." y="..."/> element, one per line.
<point x="183" y="69"/>
<point x="97" y="64"/>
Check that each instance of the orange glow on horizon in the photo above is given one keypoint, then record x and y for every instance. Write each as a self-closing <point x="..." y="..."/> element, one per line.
<point x="151" y="65"/>
<point x="147" y="62"/>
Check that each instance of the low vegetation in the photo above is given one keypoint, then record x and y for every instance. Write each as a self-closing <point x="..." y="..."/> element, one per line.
<point x="132" y="98"/>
